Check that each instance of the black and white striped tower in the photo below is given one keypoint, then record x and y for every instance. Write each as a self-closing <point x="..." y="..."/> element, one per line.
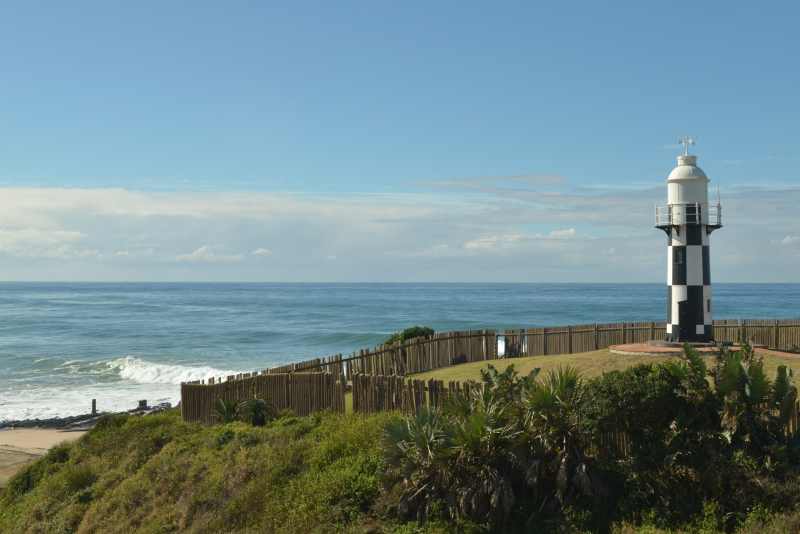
<point x="688" y="221"/>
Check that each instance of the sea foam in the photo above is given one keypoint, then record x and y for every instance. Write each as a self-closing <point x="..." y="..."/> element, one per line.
<point x="145" y="372"/>
<point x="116" y="384"/>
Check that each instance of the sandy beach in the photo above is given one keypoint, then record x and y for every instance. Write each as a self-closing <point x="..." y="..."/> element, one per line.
<point x="19" y="447"/>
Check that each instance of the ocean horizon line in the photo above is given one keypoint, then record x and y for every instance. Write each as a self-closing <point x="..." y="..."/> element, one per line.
<point x="236" y="282"/>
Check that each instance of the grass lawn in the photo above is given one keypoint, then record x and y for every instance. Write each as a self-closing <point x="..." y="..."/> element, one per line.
<point x="590" y="364"/>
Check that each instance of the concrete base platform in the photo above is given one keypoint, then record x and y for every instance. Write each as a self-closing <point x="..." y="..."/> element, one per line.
<point x="660" y="349"/>
<point x="657" y="348"/>
<point x="679" y="344"/>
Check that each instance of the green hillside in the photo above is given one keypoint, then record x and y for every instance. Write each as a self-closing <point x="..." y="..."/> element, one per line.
<point x="337" y="473"/>
<point x="158" y="474"/>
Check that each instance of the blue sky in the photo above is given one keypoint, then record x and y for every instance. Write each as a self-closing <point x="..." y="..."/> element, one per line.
<point x="497" y="133"/>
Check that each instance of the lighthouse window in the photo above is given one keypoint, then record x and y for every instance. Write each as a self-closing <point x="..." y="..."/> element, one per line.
<point x="679" y="252"/>
<point x="692" y="214"/>
<point x="708" y="305"/>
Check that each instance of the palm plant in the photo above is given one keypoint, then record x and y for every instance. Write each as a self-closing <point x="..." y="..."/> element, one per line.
<point x="784" y="393"/>
<point x="486" y="458"/>
<point x="553" y="407"/>
<point x="512" y="445"/>
<point x="257" y="412"/>
<point x="507" y="386"/>
<point x="755" y="410"/>
<point x="468" y="456"/>
<point x="560" y="472"/>
<point x="226" y="411"/>
<point x="743" y="385"/>
<point x="418" y="447"/>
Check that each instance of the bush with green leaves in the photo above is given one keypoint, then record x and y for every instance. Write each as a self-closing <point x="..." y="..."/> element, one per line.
<point x="756" y="409"/>
<point x="257" y="412"/>
<point x="409" y="333"/>
<point x="511" y="456"/>
<point x="526" y="452"/>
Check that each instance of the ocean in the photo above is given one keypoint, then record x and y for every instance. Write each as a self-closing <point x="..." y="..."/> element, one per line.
<point x="63" y="344"/>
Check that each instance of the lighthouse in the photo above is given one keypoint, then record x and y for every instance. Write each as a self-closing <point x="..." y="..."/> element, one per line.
<point x="688" y="220"/>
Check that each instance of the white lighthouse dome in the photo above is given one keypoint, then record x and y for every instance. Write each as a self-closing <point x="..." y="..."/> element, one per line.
<point x="687" y="169"/>
<point x="687" y="183"/>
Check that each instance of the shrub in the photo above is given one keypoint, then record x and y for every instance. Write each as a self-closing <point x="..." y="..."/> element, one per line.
<point x="409" y="333"/>
<point x="527" y="451"/>
<point x="29" y="477"/>
<point x="77" y="478"/>
<point x="511" y="453"/>
<point x="257" y="412"/>
<point x="226" y="411"/>
<point x="755" y="409"/>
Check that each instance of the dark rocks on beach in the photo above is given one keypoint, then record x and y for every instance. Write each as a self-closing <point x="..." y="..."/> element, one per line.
<point x="80" y="422"/>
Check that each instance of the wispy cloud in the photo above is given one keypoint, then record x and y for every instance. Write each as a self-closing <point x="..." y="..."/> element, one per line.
<point x="43" y="243"/>
<point x="551" y="232"/>
<point x="492" y="183"/>
<point x="493" y="242"/>
<point x="205" y="254"/>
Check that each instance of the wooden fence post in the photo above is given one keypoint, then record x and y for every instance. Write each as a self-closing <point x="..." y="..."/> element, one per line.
<point x="595" y="337"/>
<point x="624" y="334"/>
<point x="569" y="337"/>
<point x="776" y="335"/>
<point x="652" y="330"/>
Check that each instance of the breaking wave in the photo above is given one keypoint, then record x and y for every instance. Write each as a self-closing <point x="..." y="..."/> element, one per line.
<point x="144" y="372"/>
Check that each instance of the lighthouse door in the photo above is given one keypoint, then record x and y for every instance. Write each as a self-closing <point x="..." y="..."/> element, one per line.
<point x="686" y="324"/>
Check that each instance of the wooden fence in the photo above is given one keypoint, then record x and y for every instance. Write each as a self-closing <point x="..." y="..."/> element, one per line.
<point x="449" y="348"/>
<point x="375" y="393"/>
<point x="306" y="393"/>
<point x="303" y="393"/>
<point x="414" y="356"/>
<point x="779" y="334"/>
<point x="578" y="338"/>
<point x="309" y="391"/>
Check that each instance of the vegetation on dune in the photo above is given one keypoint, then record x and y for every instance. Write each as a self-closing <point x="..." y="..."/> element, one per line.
<point x="158" y="474"/>
<point x="527" y="452"/>
<point x="257" y="412"/>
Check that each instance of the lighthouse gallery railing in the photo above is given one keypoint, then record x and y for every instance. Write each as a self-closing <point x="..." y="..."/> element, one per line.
<point x="677" y="214"/>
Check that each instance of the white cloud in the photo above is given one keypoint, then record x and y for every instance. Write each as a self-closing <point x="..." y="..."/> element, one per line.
<point x="510" y="240"/>
<point x="546" y="232"/>
<point x="562" y="234"/>
<point x="493" y="241"/>
<point x="204" y="254"/>
<point x="43" y="243"/>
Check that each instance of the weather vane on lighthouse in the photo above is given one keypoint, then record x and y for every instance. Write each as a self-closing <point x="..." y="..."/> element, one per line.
<point x="686" y="141"/>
